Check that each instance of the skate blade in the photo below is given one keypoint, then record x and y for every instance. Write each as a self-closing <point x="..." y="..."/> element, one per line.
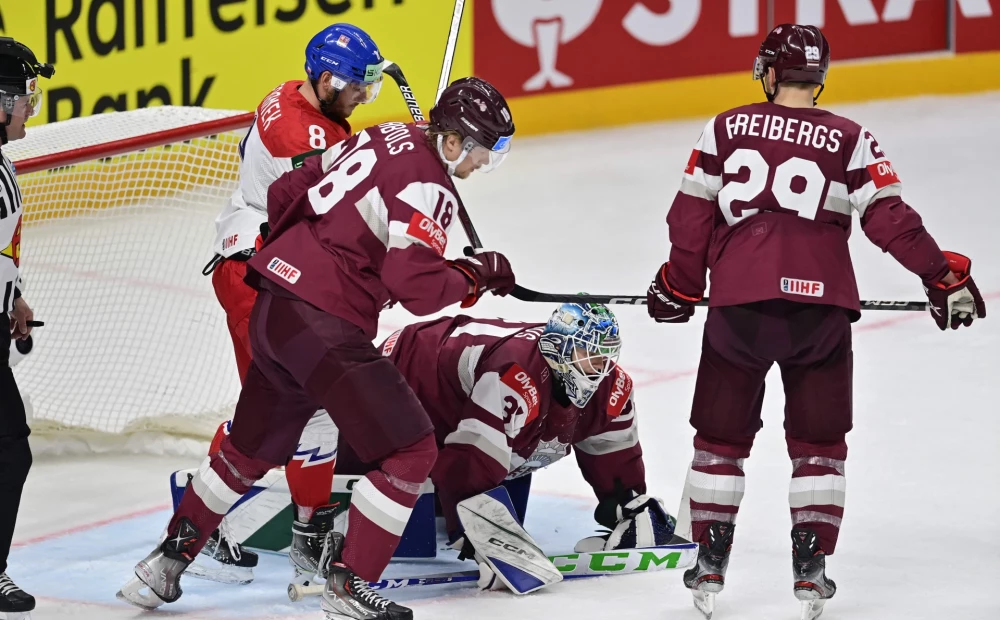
<point x="213" y="570"/>
<point x="812" y="609"/>
<point x="705" y="602"/>
<point x="132" y="593"/>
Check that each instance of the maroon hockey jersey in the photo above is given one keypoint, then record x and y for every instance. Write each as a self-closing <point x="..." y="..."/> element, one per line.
<point x="489" y="392"/>
<point x="766" y="203"/>
<point x="363" y="226"/>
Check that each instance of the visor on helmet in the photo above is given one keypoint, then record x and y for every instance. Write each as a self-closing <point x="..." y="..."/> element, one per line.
<point x="22" y="105"/>
<point x="370" y="86"/>
<point x="759" y="68"/>
<point x="488" y="159"/>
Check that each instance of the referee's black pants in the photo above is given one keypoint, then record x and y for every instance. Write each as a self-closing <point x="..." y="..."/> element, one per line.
<point x="15" y="455"/>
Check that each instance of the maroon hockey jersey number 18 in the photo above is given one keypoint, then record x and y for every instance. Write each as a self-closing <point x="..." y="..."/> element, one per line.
<point x="766" y="204"/>
<point x="363" y="226"/>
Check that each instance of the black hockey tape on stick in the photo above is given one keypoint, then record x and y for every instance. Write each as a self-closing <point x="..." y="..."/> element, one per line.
<point x="35" y="323"/>
<point x="526" y="294"/>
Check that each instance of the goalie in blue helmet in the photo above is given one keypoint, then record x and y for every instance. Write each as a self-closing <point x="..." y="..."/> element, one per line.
<point x="345" y="69"/>
<point x="581" y="344"/>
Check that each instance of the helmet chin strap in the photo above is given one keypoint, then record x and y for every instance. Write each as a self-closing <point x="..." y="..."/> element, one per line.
<point x="326" y="107"/>
<point x="452" y="165"/>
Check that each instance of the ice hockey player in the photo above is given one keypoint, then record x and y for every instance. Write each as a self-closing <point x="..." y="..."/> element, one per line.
<point x="20" y="99"/>
<point x="361" y="227"/>
<point x="296" y="120"/>
<point x="509" y="398"/>
<point x="766" y="203"/>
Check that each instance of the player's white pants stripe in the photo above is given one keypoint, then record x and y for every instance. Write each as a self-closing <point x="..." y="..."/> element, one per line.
<point x="213" y="491"/>
<point x="828" y="490"/>
<point x="715" y="489"/>
<point x="378" y="508"/>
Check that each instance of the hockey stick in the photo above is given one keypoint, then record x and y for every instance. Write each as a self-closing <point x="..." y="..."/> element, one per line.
<point x="525" y="294"/>
<point x="572" y="566"/>
<point x="443" y="81"/>
<point x="396" y="73"/>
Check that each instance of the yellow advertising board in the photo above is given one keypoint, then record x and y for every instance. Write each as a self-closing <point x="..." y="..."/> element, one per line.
<point x="227" y="54"/>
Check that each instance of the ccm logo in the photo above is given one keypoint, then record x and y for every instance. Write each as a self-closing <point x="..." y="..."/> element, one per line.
<point x="808" y="288"/>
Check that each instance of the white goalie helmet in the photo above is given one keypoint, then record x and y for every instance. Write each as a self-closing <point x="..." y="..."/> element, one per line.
<point x="581" y="344"/>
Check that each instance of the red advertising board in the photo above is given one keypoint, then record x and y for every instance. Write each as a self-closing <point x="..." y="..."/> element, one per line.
<point x="538" y="46"/>
<point x="977" y="25"/>
<point x="867" y="28"/>
<point x="534" y="46"/>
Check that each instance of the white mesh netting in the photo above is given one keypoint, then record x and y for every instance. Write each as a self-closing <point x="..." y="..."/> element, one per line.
<point x="112" y="253"/>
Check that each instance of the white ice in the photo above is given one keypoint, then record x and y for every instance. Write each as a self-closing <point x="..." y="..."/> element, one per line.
<point x="584" y="212"/>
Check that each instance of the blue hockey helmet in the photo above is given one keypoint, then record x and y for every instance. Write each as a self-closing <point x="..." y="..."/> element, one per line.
<point x="351" y="57"/>
<point x="581" y="344"/>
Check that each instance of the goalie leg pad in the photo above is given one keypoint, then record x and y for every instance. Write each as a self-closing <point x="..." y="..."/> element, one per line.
<point x="501" y="543"/>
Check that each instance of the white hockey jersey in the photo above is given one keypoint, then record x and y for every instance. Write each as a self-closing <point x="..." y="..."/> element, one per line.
<point x="10" y="234"/>
<point x="286" y="129"/>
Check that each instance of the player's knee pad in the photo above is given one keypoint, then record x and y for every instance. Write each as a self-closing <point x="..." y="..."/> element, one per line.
<point x="413" y="463"/>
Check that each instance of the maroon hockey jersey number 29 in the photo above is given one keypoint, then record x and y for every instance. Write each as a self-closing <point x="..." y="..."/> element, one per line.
<point x="766" y="204"/>
<point x="363" y="226"/>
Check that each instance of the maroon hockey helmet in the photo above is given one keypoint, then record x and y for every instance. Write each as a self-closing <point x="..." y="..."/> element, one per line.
<point x="797" y="54"/>
<point x="475" y="110"/>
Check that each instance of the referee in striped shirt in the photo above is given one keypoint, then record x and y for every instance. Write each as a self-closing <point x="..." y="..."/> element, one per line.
<point x="20" y="99"/>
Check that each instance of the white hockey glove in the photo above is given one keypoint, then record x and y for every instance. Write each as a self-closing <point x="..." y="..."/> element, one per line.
<point x="639" y="521"/>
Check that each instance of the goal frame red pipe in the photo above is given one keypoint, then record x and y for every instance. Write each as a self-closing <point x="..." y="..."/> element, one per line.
<point x="127" y="145"/>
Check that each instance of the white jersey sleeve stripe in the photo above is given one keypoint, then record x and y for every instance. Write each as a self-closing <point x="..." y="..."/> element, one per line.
<point x="486" y="439"/>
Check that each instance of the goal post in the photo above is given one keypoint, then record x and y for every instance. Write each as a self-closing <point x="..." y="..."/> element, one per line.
<point x="118" y="223"/>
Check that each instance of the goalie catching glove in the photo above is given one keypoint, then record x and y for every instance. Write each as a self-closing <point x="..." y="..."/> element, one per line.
<point x="635" y="521"/>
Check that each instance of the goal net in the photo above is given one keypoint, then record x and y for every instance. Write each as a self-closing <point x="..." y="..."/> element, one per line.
<point x="118" y="224"/>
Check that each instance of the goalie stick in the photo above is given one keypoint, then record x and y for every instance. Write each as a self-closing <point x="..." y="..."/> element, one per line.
<point x="571" y="565"/>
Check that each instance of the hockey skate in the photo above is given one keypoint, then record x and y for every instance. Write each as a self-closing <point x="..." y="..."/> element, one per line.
<point x="347" y="596"/>
<point x="306" y="551"/>
<point x="708" y="576"/>
<point x="158" y="577"/>
<point x="224" y="560"/>
<point x="15" y="603"/>
<point x="812" y="586"/>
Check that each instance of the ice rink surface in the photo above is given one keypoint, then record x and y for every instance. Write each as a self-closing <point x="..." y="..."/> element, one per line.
<point x="585" y="212"/>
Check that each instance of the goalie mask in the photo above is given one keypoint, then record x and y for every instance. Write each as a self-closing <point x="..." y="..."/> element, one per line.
<point x="581" y="344"/>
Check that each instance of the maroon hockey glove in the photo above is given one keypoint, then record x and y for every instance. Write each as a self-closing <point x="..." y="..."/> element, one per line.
<point x="664" y="304"/>
<point x="487" y="271"/>
<point x="959" y="303"/>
